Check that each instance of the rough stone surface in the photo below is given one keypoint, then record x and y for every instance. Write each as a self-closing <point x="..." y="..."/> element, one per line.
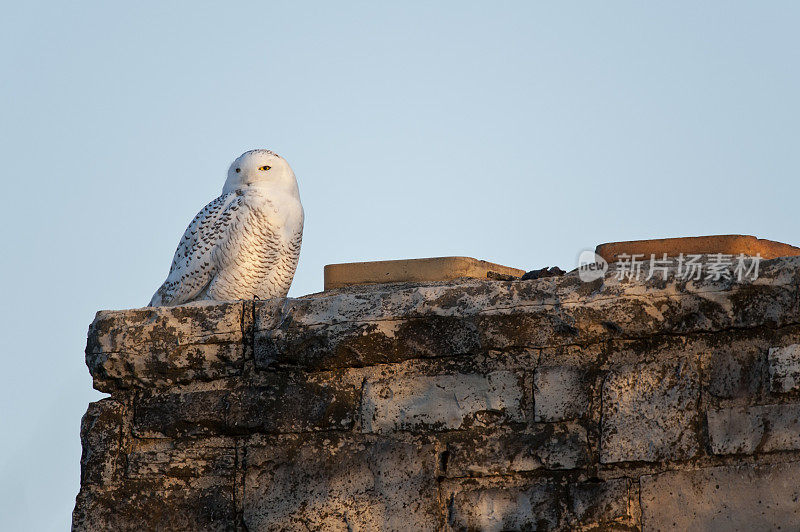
<point x="477" y="506"/>
<point x="747" y="429"/>
<point x="559" y="393"/>
<point x="164" y="485"/>
<point x="784" y="368"/>
<point x="499" y="452"/>
<point x="281" y="406"/>
<point x="342" y="345"/>
<point x="156" y="347"/>
<point x="734" y="370"/>
<point x="441" y="402"/>
<point x="538" y="504"/>
<point x="339" y="482"/>
<point x="650" y="413"/>
<point x="741" y="497"/>
<point x="601" y="502"/>
<point x="545" y="404"/>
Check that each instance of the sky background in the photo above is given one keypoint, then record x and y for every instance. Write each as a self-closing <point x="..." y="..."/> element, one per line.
<point x="515" y="132"/>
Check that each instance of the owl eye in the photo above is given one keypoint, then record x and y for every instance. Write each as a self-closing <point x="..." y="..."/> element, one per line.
<point x="264" y="168"/>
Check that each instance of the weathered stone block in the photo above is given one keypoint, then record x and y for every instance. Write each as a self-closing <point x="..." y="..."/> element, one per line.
<point x="160" y="347"/>
<point x="167" y="485"/>
<point x="752" y="429"/>
<point x="744" y="497"/>
<point x="165" y="367"/>
<point x="279" y="404"/>
<point x="532" y="327"/>
<point x="190" y="413"/>
<point x="560" y="393"/>
<point x="331" y="346"/>
<point x="600" y="502"/>
<point x="140" y="330"/>
<point x="516" y="503"/>
<point x="142" y="505"/>
<point x="295" y="406"/>
<point x="784" y="368"/>
<point x="567" y="447"/>
<point x="337" y="482"/>
<point x="102" y="458"/>
<point x="632" y="351"/>
<point x="493" y="506"/>
<point x="649" y="413"/>
<point x="501" y="452"/>
<point x="192" y="462"/>
<point x="572" y="356"/>
<point x="734" y="368"/>
<point x="441" y="402"/>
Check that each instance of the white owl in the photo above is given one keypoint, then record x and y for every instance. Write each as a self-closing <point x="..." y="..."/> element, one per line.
<point x="245" y="243"/>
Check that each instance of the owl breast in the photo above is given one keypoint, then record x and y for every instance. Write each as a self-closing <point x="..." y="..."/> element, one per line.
<point x="259" y="254"/>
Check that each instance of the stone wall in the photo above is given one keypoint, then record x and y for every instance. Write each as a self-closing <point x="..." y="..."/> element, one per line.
<point x="548" y="404"/>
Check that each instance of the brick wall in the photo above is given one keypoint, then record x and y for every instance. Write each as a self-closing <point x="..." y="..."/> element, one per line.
<point x="492" y="405"/>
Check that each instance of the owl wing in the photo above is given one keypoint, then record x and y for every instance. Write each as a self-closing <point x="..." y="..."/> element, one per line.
<point x="193" y="266"/>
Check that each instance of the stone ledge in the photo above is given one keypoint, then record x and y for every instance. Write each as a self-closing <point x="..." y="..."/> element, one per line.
<point x="378" y="325"/>
<point x="548" y="403"/>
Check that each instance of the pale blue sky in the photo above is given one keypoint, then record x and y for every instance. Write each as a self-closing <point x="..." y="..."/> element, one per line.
<point x="516" y="132"/>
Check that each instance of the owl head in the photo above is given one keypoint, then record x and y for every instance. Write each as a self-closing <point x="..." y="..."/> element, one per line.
<point x="260" y="169"/>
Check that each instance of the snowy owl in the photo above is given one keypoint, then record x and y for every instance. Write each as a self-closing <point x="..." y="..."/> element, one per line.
<point x="245" y="243"/>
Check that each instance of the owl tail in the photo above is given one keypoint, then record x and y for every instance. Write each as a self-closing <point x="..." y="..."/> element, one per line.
<point x="156" y="300"/>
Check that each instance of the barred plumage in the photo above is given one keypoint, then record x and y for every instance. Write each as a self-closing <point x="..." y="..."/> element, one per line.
<point x="244" y="244"/>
